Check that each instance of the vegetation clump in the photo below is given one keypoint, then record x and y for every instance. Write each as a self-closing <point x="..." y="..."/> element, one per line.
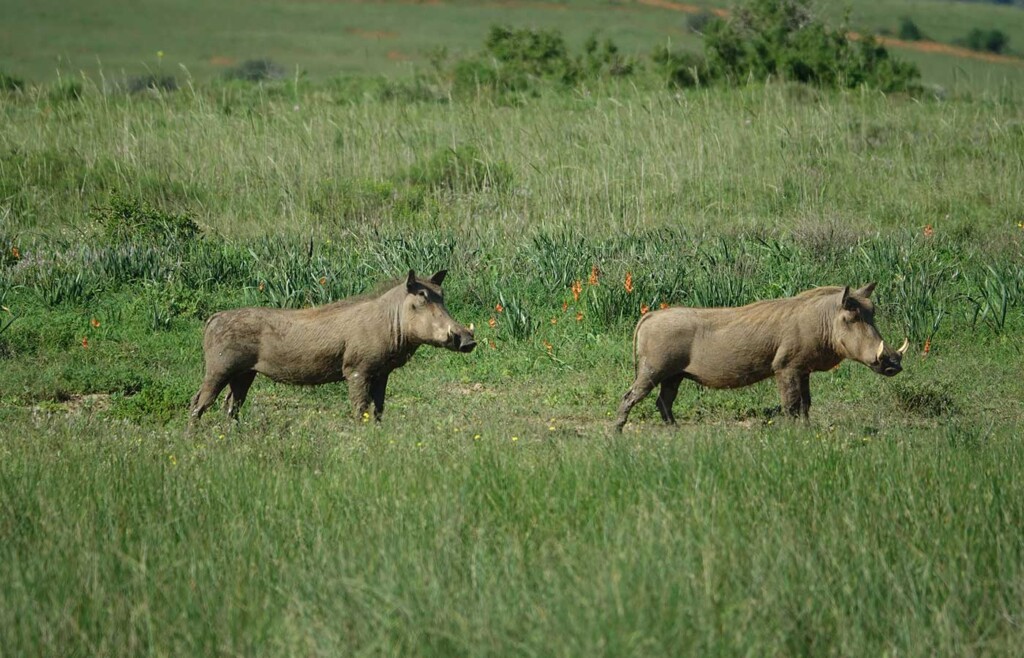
<point x="991" y="41"/>
<point x="256" y="70"/>
<point x="782" y="38"/>
<point x="125" y="218"/>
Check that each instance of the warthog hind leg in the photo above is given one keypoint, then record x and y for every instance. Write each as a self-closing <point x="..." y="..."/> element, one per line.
<point x="638" y="391"/>
<point x="237" y="392"/>
<point x="207" y="395"/>
<point x="667" y="396"/>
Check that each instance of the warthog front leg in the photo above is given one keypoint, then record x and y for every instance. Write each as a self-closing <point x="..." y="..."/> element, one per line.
<point x="805" y="394"/>
<point x="358" y="393"/>
<point x="667" y="397"/>
<point x="238" y="390"/>
<point x="377" y="391"/>
<point x="794" y="392"/>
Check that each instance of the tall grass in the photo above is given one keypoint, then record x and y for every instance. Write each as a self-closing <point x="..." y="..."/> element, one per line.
<point x="613" y="160"/>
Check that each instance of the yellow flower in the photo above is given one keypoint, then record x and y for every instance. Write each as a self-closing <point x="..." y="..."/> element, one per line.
<point x="160" y="54"/>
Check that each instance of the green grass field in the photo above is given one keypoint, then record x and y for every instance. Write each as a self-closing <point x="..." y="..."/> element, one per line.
<point x="492" y="512"/>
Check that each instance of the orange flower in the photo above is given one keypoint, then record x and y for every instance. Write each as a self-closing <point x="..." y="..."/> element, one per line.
<point x="663" y="305"/>
<point x="629" y="282"/>
<point x="548" y="346"/>
<point x="323" y="280"/>
<point x="490" y="343"/>
<point x="594" y="274"/>
<point x="554" y="320"/>
<point x="499" y="308"/>
<point x="927" y="347"/>
<point x="16" y="253"/>
<point x="261" y="286"/>
<point x="577" y="288"/>
<point x="579" y="316"/>
<point x="565" y="306"/>
<point x="492" y="323"/>
<point x="85" y="342"/>
<point x="95" y="323"/>
<point x="644" y="308"/>
<point x="928" y="231"/>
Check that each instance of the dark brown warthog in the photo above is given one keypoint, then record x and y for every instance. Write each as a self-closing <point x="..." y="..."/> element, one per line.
<point x="731" y="347"/>
<point x="360" y="339"/>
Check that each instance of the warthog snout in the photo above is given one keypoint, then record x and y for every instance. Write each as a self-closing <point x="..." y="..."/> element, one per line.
<point x="890" y="362"/>
<point x="462" y="341"/>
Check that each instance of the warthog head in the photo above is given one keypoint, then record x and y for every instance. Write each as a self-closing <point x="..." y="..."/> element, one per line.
<point x="426" y="320"/>
<point x="854" y="333"/>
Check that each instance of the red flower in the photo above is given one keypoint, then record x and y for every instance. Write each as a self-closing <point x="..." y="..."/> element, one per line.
<point x="644" y="308"/>
<point x="629" y="282"/>
<point x="95" y="323"/>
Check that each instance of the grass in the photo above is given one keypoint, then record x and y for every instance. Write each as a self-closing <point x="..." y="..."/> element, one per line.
<point x="492" y="512"/>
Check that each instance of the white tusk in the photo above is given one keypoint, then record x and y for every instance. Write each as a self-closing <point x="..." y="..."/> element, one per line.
<point x="881" y="348"/>
<point x="470" y="327"/>
<point x="906" y="345"/>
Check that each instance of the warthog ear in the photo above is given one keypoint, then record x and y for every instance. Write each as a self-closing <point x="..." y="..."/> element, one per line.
<point x="438" y="277"/>
<point x="849" y="303"/>
<point x="867" y="290"/>
<point x="410" y="283"/>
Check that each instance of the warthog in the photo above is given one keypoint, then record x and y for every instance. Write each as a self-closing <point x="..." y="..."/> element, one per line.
<point x="731" y="347"/>
<point x="359" y="339"/>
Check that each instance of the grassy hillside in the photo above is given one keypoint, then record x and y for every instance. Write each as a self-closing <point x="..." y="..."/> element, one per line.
<point x="115" y="40"/>
<point x="492" y="512"/>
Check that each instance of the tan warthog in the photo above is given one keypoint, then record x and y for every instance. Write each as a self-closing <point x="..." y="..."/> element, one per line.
<point x="360" y="339"/>
<point x="731" y="347"/>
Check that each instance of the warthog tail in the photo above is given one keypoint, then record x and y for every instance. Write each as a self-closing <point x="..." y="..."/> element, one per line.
<point x="635" y="333"/>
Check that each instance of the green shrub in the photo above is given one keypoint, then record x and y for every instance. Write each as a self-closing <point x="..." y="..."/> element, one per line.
<point x="151" y="82"/>
<point x="460" y="169"/>
<point x="11" y="83"/>
<point x="256" y="70"/>
<point x="992" y="41"/>
<point x="909" y="31"/>
<point x="127" y="219"/>
<point x="680" y="68"/>
<point x="781" y="38"/>
<point x="64" y="92"/>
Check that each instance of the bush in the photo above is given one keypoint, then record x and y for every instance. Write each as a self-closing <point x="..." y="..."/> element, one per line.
<point x="255" y="70"/>
<point x="781" y="38"/>
<point x="680" y="68"/>
<point x="151" y="81"/>
<point x="11" y="83"/>
<point x="992" y="41"/>
<point x="909" y="31"/>
<point x="127" y="219"/>
<point x="461" y="169"/>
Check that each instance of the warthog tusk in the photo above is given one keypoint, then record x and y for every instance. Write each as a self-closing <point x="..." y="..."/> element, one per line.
<point x="881" y="348"/>
<point x="470" y="327"/>
<point x="906" y="345"/>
